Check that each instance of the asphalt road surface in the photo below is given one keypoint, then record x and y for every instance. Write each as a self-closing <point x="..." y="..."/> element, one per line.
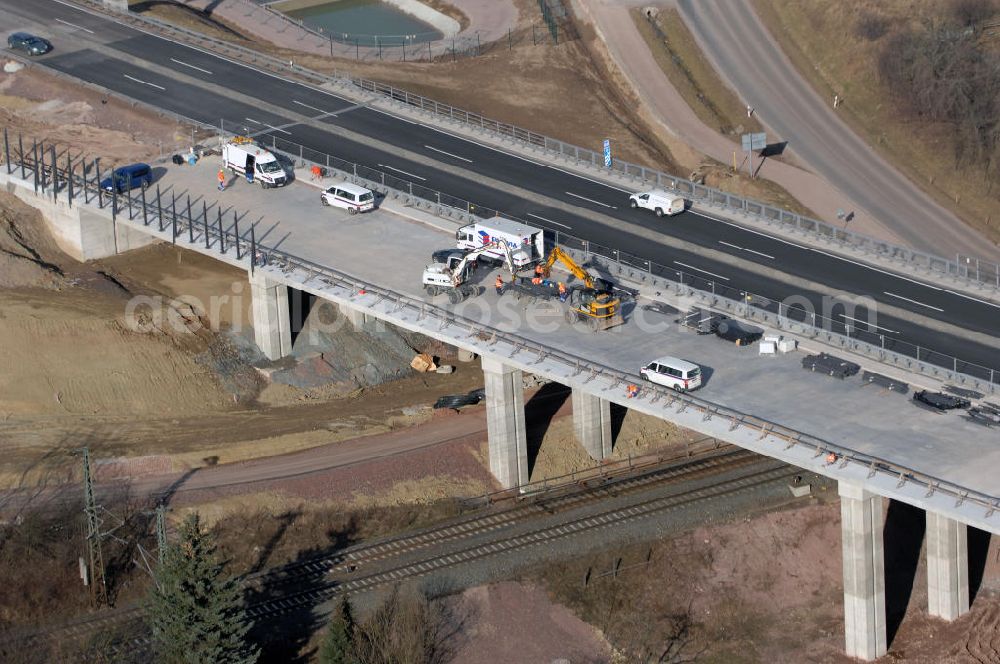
<point x="742" y="49"/>
<point x="210" y="89"/>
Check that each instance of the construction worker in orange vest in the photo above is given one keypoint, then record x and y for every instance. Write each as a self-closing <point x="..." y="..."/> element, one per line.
<point x="222" y="179"/>
<point x="562" y="292"/>
<point x="499" y="285"/>
<point x="632" y="391"/>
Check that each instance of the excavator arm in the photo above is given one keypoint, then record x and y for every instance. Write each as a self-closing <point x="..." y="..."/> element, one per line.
<point x="458" y="272"/>
<point x="557" y="254"/>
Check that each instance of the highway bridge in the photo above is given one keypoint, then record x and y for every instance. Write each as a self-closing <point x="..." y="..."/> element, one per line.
<point x="911" y="313"/>
<point x="875" y="446"/>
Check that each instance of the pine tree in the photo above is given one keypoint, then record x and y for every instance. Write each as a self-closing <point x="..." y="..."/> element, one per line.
<point x="195" y="613"/>
<point x="338" y="644"/>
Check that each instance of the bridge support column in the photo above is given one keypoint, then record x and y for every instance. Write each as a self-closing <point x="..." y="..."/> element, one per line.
<point x="592" y="423"/>
<point x="272" y="330"/>
<point x="359" y="319"/>
<point x="864" y="572"/>
<point x="505" y="423"/>
<point x="947" y="567"/>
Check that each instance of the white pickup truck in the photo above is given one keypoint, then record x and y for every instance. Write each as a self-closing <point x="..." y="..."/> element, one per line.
<point x="659" y="202"/>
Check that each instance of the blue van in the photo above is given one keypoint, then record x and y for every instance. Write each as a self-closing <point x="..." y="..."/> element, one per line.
<point x="129" y="177"/>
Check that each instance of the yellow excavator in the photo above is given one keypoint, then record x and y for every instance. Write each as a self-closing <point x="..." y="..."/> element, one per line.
<point x="595" y="303"/>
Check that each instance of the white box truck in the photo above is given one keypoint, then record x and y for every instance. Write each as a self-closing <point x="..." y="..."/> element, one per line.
<point x="657" y="201"/>
<point x="526" y="243"/>
<point x="243" y="156"/>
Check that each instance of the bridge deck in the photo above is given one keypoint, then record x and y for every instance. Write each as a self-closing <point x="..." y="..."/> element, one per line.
<point x="391" y="251"/>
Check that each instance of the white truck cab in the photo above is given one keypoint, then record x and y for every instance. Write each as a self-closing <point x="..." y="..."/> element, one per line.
<point x="241" y="155"/>
<point x="659" y="202"/>
<point x="350" y="197"/>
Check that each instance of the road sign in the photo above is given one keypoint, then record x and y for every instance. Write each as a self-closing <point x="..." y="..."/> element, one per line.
<point x="754" y="141"/>
<point x="607" y="153"/>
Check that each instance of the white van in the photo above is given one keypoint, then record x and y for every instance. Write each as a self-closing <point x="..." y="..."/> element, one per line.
<point x="672" y="372"/>
<point x="241" y="155"/>
<point x="350" y="197"/>
<point x="658" y="202"/>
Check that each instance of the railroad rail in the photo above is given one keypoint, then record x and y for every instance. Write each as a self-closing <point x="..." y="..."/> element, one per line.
<point x="390" y="560"/>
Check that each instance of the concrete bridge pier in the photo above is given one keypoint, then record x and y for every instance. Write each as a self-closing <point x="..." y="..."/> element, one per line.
<point x="864" y="572"/>
<point x="505" y="423"/>
<point x="947" y="567"/>
<point x="272" y="329"/>
<point x="592" y="423"/>
<point x="359" y="319"/>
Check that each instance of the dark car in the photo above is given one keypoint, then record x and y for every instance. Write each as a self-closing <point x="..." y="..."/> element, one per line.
<point x="128" y="177"/>
<point x="30" y="44"/>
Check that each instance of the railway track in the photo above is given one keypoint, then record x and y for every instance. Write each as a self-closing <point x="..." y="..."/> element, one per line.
<point x="390" y="560"/>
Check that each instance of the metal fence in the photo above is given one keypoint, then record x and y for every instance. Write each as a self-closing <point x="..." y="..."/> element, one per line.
<point x="412" y="47"/>
<point x="55" y="176"/>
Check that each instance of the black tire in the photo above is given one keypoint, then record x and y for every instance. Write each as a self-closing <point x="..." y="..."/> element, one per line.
<point x="677" y="388"/>
<point x="352" y="210"/>
<point x="455" y="296"/>
<point x="322" y="199"/>
<point x="633" y="204"/>
<point x="659" y="212"/>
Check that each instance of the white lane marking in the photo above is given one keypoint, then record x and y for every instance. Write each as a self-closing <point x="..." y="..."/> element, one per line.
<point x="447" y="153"/>
<point x="818" y="251"/>
<point x="590" y="200"/>
<point x="870" y="325"/>
<point x="398" y="170"/>
<point x="698" y="269"/>
<point x="264" y="124"/>
<point x="550" y="221"/>
<point x="913" y="301"/>
<point x="74" y="25"/>
<point x="312" y="108"/>
<point x="974" y="299"/>
<point x="759" y="253"/>
<point x="181" y="62"/>
<point x="152" y="85"/>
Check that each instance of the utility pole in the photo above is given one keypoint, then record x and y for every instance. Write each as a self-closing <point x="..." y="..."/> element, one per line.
<point x="161" y="532"/>
<point x="98" y="578"/>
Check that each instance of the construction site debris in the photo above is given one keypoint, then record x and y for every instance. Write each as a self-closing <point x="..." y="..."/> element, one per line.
<point x="423" y="363"/>
<point x="890" y="384"/>
<point x="456" y="401"/>
<point x="830" y="364"/>
<point x="939" y="400"/>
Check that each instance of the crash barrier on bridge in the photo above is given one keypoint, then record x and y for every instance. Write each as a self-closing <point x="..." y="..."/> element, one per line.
<point x="980" y="273"/>
<point x="712" y="294"/>
<point x="180" y="224"/>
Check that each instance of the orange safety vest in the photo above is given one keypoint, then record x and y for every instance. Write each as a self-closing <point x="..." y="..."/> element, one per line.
<point x="499" y="282"/>
<point x="222" y="175"/>
<point x="562" y="287"/>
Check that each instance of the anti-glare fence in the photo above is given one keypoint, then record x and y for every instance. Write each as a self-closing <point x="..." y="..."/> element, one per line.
<point x="851" y="324"/>
<point x="57" y="173"/>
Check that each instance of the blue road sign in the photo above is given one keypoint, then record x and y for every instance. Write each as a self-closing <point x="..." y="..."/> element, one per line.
<point x="607" y="153"/>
